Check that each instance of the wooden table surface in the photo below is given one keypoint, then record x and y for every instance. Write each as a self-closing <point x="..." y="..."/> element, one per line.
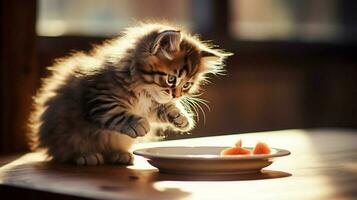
<point x="322" y="165"/>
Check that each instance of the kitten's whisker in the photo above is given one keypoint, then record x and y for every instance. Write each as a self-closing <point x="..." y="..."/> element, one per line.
<point x="200" y="107"/>
<point x="197" y="95"/>
<point x="190" y="105"/>
<point x="197" y="106"/>
<point x="184" y="103"/>
<point x="206" y="80"/>
<point x="203" y="101"/>
<point x="194" y="108"/>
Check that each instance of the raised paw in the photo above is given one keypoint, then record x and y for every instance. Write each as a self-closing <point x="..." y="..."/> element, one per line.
<point x="93" y="159"/>
<point x="136" y="127"/>
<point x="177" y="119"/>
<point x="124" y="158"/>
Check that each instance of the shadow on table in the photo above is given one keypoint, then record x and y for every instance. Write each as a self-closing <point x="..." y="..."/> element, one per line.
<point x="264" y="174"/>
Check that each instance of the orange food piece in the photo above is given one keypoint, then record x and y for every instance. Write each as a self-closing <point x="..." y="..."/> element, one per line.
<point x="235" y="151"/>
<point x="238" y="143"/>
<point x="261" y="148"/>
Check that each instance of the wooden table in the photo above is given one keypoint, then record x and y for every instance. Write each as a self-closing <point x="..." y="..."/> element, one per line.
<point x="323" y="165"/>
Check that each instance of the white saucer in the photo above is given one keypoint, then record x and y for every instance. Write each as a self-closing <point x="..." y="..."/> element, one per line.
<point x="206" y="160"/>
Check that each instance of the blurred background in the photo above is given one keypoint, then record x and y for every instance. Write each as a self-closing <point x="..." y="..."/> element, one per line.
<point x="295" y="62"/>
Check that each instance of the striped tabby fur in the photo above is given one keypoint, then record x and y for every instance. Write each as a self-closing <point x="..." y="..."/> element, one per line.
<point x="93" y="105"/>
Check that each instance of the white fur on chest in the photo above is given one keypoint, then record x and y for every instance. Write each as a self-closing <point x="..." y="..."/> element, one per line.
<point x="143" y="105"/>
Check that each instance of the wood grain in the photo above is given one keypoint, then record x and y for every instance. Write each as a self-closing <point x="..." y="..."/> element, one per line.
<point x="323" y="165"/>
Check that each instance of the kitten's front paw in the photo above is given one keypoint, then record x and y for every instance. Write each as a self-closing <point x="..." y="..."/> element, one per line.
<point x="178" y="120"/>
<point x="136" y="127"/>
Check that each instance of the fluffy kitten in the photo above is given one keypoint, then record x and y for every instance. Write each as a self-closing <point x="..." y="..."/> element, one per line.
<point x="93" y="105"/>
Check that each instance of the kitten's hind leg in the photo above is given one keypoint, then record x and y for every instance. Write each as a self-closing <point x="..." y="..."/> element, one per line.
<point x="92" y="159"/>
<point x="124" y="158"/>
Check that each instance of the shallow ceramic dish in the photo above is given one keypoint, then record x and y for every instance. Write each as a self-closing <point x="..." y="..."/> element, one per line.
<point x="206" y="160"/>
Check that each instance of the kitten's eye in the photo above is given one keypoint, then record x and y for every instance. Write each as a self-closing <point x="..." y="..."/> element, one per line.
<point x="187" y="85"/>
<point x="171" y="79"/>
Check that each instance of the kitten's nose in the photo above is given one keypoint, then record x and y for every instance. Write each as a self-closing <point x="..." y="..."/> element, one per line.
<point x="176" y="93"/>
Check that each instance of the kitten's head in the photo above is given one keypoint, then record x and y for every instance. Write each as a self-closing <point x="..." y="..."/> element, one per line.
<point x="174" y="64"/>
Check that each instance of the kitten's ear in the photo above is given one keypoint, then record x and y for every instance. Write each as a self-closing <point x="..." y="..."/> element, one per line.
<point x="212" y="61"/>
<point x="167" y="43"/>
<point x="214" y="55"/>
<point x="207" y="55"/>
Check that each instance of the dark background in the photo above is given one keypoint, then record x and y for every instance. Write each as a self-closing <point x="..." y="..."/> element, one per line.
<point x="272" y="83"/>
